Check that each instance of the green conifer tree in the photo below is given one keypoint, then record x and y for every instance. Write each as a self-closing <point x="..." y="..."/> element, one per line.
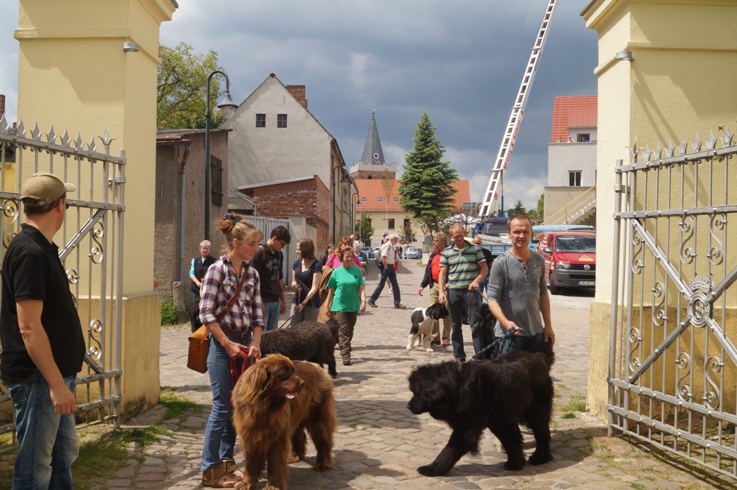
<point x="425" y="187"/>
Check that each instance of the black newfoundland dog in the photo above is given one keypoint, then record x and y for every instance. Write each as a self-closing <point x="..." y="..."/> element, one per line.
<point x="495" y="394"/>
<point x="308" y="341"/>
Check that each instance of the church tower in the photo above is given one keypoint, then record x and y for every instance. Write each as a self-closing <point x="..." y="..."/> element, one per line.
<point x="372" y="162"/>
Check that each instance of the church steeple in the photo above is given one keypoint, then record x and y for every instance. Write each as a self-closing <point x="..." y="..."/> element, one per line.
<point x="372" y="152"/>
<point x="372" y="164"/>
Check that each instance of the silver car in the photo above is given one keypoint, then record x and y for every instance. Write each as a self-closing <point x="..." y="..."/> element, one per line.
<point x="413" y="253"/>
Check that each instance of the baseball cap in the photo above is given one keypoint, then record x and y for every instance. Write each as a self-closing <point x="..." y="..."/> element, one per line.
<point x="43" y="188"/>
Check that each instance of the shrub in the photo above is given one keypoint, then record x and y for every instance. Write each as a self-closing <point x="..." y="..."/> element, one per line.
<point x="169" y="313"/>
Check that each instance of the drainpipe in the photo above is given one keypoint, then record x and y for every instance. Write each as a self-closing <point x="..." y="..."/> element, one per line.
<point x="182" y="187"/>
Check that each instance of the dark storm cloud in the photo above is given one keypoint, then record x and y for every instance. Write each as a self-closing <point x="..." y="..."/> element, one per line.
<point x="461" y="62"/>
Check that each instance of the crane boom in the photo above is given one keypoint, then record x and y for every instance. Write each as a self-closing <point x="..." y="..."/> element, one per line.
<point x="490" y="201"/>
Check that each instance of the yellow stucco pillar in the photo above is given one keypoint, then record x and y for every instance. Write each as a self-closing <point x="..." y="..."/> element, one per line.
<point x="75" y="75"/>
<point x="679" y="82"/>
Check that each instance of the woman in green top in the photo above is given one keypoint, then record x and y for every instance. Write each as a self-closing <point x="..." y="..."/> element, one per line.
<point x="346" y="297"/>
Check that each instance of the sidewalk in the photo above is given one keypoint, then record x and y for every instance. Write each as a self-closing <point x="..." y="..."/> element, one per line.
<point x="379" y="443"/>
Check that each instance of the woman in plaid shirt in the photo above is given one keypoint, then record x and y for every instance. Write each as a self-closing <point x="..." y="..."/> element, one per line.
<point x="237" y="336"/>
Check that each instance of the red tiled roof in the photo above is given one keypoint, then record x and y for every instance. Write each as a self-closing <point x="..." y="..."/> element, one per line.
<point x="579" y="111"/>
<point x="372" y="189"/>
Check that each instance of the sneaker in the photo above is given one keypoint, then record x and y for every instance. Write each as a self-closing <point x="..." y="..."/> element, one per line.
<point x="346" y="360"/>
<point x="400" y="306"/>
<point x="371" y="303"/>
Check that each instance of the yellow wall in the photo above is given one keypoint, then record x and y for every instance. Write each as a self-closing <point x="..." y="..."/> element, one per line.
<point x="681" y="82"/>
<point x="74" y="75"/>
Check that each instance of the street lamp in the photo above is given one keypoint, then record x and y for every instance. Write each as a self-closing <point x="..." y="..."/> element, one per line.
<point x="228" y="107"/>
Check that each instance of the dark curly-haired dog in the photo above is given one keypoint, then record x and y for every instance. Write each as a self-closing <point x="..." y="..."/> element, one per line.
<point x="308" y="341"/>
<point x="495" y="394"/>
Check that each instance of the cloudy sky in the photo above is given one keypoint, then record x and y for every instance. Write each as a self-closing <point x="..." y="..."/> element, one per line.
<point x="461" y="62"/>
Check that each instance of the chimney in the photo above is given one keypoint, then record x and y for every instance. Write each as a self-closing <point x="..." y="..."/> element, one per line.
<point x="2" y="105"/>
<point x="298" y="91"/>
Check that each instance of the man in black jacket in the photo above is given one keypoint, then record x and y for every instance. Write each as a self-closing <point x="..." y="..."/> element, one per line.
<point x="432" y="270"/>
<point x="197" y="273"/>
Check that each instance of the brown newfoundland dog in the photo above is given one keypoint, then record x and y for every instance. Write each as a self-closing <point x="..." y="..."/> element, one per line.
<point x="274" y="402"/>
<point x="497" y="395"/>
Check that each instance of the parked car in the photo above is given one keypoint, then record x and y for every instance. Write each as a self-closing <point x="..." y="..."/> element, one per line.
<point x="413" y="253"/>
<point x="570" y="259"/>
<point x="375" y="253"/>
<point x="367" y="252"/>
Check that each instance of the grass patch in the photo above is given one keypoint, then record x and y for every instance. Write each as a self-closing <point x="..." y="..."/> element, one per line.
<point x="568" y="415"/>
<point x="177" y="405"/>
<point x="101" y="458"/>
<point x="577" y="404"/>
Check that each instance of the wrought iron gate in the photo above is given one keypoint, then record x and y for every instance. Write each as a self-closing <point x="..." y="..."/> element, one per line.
<point x="90" y="248"/>
<point x="673" y="360"/>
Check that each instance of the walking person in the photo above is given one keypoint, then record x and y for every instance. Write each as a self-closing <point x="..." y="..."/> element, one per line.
<point x="346" y="298"/>
<point x="489" y="260"/>
<point x="268" y="261"/>
<point x="197" y="270"/>
<point x="231" y="294"/>
<point x="307" y="278"/>
<point x="335" y="260"/>
<point x="518" y="293"/>
<point x="388" y="257"/>
<point x="42" y="342"/>
<point x="462" y="267"/>
<point x="432" y="274"/>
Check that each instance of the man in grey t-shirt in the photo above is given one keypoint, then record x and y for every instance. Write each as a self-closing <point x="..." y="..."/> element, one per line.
<point x="517" y="292"/>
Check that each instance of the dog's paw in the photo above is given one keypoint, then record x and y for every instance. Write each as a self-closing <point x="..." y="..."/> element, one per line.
<point x="294" y="459"/>
<point x="242" y="485"/>
<point x="540" y="458"/>
<point x="514" y="465"/>
<point x="429" y="350"/>
<point x="323" y="466"/>
<point x="429" y="470"/>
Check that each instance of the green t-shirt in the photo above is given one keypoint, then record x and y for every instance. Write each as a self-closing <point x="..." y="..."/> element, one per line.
<point x="345" y="282"/>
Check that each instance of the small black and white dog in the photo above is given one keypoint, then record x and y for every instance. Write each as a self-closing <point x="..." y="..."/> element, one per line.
<point x="422" y="320"/>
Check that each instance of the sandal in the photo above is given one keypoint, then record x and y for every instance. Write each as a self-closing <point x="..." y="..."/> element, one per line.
<point x="446" y="343"/>
<point x="232" y="469"/>
<point x="218" y="478"/>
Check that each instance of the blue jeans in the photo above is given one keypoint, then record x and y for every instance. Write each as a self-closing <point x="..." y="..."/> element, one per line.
<point x="388" y="273"/>
<point x="219" y="433"/>
<point x="271" y="315"/>
<point x="458" y="299"/>
<point x="47" y="441"/>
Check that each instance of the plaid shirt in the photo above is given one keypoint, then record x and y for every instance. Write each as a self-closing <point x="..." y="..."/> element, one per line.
<point x="219" y="286"/>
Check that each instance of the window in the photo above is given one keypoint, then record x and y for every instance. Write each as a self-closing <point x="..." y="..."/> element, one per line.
<point x="363" y="199"/>
<point x="407" y="223"/>
<point x="396" y="199"/>
<point x="260" y="120"/>
<point x="390" y="223"/>
<point x="378" y="199"/>
<point x="574" y="178"/>
<point x="216" y="180"/>
<point x="281" y="120"/>
<point x="582" y="138"/>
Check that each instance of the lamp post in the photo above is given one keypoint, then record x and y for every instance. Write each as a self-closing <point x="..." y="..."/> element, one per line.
<point x="228" y="107"/>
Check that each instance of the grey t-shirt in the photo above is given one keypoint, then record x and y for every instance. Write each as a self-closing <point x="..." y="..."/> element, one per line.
<point x="518" y="290"/>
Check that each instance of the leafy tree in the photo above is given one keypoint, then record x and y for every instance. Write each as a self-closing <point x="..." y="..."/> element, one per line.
<point x="539" y="212"/>
<point x="364" y="230"/>
<point x="425" y="187"/>
<point x="519" y="208"/>
<point x="181" y="88"/>
<point x="407" y="234"/>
